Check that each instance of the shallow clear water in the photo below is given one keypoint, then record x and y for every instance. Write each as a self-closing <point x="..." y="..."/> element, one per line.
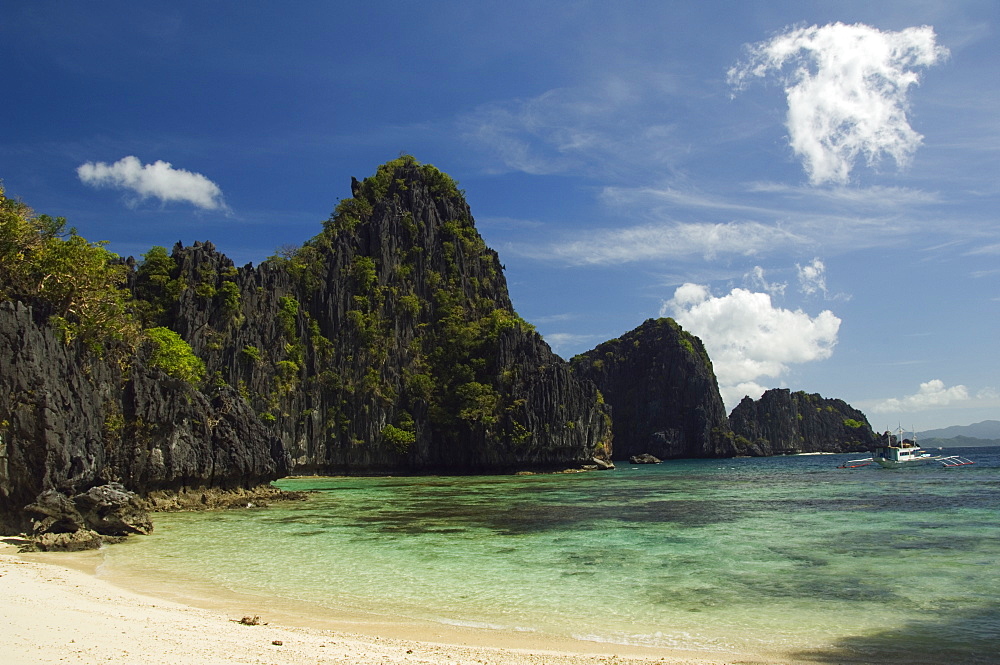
<point x="785" y="554"/>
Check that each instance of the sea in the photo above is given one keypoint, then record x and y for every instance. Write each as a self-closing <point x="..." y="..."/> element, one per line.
<point x="782" y="555"/>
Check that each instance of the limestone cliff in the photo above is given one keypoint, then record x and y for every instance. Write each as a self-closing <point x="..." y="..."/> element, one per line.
<point x="660" y="384"/>
<point x="70" y="420"/>
<point x="387" y="343"/>
<point x="783" y="422"/>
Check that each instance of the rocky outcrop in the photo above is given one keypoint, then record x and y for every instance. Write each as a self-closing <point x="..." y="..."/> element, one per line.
<point x="660" y="384"/>
<point x="644" y="458"/>
<point x="107" y="513"/>
<point x="71" y="420"/>
<point x="387" y="343"/>
<point x="785" y="422"/>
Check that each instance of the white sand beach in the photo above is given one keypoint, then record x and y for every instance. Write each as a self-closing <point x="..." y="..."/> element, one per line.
<point x="51" y="613"/>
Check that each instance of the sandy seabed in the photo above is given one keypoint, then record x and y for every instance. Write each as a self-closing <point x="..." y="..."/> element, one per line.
<point x="53" y="613"/>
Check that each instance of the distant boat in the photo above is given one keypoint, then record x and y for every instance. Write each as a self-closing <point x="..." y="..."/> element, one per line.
<point x="894" y="452"/>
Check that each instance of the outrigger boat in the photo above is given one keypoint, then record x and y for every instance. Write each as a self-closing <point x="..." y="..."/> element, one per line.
<point x="894" y="452"/>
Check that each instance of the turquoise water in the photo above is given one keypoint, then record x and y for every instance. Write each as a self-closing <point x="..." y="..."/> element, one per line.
<point x="786" y="554"/>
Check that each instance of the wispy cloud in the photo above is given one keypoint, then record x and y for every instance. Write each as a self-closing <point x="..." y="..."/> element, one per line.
<point x="601" y="129"/>
<point x="770" y="217"/>
<point x="748" y="338"/>
<point x="846" y="92"/>
<point x="561" y="341"/>
<point x="661" y="241"/>
<point x="756" y="279"/>
<point x="555" y="318"/>
<point x="159" y="180"/>
<point x="985" y="249"/>
<point x="859" y="197"/>
<point x="507" y="223"/>
<point x="682" y="198"/>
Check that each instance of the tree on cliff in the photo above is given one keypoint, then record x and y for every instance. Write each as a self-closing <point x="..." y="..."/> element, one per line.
<point x="386" y="342"/>
<point x="77" y="283"/>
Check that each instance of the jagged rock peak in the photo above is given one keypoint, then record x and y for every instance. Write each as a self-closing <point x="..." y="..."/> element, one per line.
<point x="660" y="384"/>
<point x="388" y="342"/>
<point x="784" y="422"/>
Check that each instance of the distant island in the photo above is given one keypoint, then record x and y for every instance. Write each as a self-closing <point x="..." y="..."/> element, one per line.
<point x="387" y="343"/>
<point x="987" y="431"/>
<point x="981" y="434"/>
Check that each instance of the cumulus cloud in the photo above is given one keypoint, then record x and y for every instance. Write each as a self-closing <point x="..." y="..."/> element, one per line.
<point x="812" y="277"/>
<point x="846" y="91"/>
<point x="158" y="180"/>
<point x="748" y="337"/>
<point x="931" y="394"/>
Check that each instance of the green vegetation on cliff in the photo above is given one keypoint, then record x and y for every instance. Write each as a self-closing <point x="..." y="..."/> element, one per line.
<point x="78" y="284"/>
<point x="387" y="341"/>
<point x="174" y="356"/>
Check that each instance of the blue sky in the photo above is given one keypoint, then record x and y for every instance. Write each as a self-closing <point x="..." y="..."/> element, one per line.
<point x="810" y="187"/>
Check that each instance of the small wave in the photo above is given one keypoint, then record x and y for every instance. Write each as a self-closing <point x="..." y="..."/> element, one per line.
<point x="483" y="625"/>
<point x="658" y="639"/>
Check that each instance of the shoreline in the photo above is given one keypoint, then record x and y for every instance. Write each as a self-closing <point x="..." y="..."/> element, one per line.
<point x="57" y="609"/>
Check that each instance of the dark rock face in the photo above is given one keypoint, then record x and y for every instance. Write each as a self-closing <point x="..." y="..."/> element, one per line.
<point x="106" y="513"/>
<point x="387" y="343"/>
<point x="783" y="422"/>
<point x="663" y="393"/>
<point x="54" y="512"/>
<point x="72" y="421"/>
<point x="112" y="510"/>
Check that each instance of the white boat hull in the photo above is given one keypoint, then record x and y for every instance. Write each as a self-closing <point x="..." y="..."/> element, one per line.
<point x="896" y="464"/>
<point x="895" y="453"/>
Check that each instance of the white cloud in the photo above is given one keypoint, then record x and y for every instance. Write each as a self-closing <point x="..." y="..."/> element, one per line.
<point x="560" y="341"/>
<point x="747" y="337"/>
<point x="876" y="197"/>
<point x="158" y="180"/>
<point x="733" y="395"/>
<point x="846" y="92"/>
<point x="667" y="240"/>
<point x="755" y="279"/>
<point x="812" y="277"/>
<point x="988" y="394"/>
<point x="931" y="394"/>
<point x="795" y="218"/>
<point x="985" y="249"/>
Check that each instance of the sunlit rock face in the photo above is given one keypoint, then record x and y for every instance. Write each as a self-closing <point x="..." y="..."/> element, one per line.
<point x="387" y="343"/>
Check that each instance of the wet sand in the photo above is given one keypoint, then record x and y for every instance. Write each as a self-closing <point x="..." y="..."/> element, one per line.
<point x="54" y="609"/>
